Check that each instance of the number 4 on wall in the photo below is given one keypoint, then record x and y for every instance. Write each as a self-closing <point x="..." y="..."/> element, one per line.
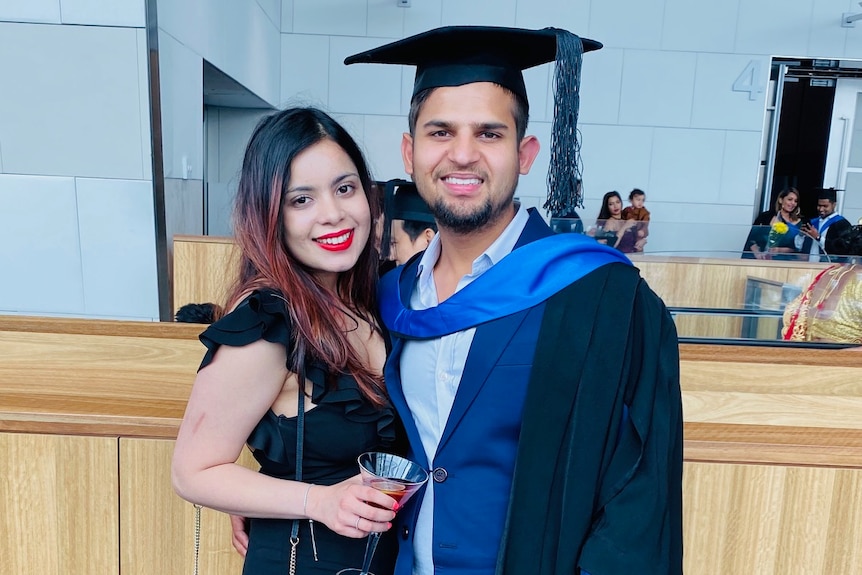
<point x="749" y="80"/>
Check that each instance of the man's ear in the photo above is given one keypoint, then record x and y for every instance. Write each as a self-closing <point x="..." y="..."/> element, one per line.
<point x="407" y="152"/>
<point x="528" y="149"/>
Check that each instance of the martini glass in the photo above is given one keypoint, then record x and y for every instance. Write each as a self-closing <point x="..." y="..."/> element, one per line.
<point x="395" y="476"/>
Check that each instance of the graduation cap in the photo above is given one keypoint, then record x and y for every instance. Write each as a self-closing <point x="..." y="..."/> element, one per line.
<point x="401" y="201"/>
<point x="458" y="55"/>
<point x="830" y="194"/>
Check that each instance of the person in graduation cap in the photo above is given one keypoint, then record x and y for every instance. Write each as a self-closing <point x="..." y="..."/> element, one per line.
<point x="536" y="373"/>
<point x="820" y="236"/>
<point x="410" y="225"/>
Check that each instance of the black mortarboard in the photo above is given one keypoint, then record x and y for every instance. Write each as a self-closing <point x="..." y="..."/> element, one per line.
<point x="830" y="194"/>
<point x="458" y="55"/>
<point x="401" y="201"/>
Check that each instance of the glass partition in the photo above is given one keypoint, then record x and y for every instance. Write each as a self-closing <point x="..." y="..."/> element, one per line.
<point x="764" y="297"/>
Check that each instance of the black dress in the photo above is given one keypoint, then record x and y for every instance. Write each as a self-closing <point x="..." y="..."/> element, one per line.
<point x="340" y="427"/>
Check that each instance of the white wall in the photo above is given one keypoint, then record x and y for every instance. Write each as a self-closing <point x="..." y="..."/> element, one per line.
<point x="658" y="111"/>
<point x="76" y="224"/>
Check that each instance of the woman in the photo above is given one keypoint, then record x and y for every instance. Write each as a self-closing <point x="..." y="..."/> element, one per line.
<point x="611" y="228"/>
<point x="775" y="237"/>
<point x="830" y="308"/>
<point x="301" y="321"/>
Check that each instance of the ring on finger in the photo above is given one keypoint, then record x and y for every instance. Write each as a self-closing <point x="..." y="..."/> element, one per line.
<point x="358" y="519"/>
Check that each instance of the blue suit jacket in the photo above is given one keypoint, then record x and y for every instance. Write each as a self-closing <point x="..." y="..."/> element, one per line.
<point x="473" y="467"/>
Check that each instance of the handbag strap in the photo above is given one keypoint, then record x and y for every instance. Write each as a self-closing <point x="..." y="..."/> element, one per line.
<point x="300" y="428"/>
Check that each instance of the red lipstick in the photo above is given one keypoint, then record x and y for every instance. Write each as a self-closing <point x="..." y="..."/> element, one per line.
<point x="336" y="246"/>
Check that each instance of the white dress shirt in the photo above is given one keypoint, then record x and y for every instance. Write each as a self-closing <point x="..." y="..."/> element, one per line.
<point x="431" y="371"/>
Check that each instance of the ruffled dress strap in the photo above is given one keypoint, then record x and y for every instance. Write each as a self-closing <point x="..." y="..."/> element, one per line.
<point x="262" y="315"/>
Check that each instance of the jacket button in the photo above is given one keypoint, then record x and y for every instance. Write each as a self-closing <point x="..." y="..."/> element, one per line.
<point x="405" y="533"/>
<point x="439" y="475"/>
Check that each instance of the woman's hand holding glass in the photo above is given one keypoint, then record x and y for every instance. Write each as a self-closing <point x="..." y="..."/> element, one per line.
<point x="351" y="508"/>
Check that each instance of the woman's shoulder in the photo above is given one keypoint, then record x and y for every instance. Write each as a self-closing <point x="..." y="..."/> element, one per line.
<point x="262" y="314"/>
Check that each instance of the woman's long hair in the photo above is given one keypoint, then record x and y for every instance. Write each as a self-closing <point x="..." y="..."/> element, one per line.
<point x="605" y="212"/>
<point x="783" y="194"/>
<point x="265" y="262"/>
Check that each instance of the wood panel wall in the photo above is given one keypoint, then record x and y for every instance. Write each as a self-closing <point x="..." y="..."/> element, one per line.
<point x="773" y="450"/>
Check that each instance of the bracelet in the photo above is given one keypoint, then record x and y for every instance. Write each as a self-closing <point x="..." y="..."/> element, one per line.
<point x="305" y="500"/>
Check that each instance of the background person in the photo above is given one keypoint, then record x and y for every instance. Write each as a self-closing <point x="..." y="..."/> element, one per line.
<point x="611" y="229"/>
<point x="411" y="226"/>
<point x="301" y="337"/>
<point x="830" y="308"/>
<point x="821" y="235"/>
<point x="767" y="241"/>
<point x="637" y="212"/>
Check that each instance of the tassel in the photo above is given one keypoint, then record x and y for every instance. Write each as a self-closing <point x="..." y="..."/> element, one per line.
<point x="564" y="171"/>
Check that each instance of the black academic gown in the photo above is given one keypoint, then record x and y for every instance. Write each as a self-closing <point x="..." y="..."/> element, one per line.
<point x="598" y="479"/>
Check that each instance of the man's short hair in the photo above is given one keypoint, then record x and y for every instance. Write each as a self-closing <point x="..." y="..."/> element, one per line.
<point x="521" y="111"/>
<point x="414" y="228"/>
<point x="197" y="313"/>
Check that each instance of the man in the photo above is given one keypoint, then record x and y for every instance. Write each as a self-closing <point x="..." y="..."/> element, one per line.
<point x="823" y="232"/>
<point x="536" y="374"/>
<point x="411" y="225"/>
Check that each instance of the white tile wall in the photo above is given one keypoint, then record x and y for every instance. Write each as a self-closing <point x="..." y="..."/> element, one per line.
<point x="532" y="188"/>
<point x="75" y="105"/>
<point x="740" y="168"/>
<point x="118" y="250"/>
<point x="129" y="13"/>
<point x="385" y="19"/>
<point x="272" y="8"/>
<point x="479" y="12"/>
<point x="539" y="83"/>
<point x="361" y="88"/>
<point x="686" y="165"/>
<point x="699" y="25"/>
<point x="237" y="37"/>
<point x="184" y="210"/>
<point x="383" y="146"/>
<point x="716" y="104"/>
<point x="571" y="16"/>
<point x="657" y="88"/>
<point x="334" y="17"/>
<point x="304" y="58"/>
<point x="181" y="90"/>
<point x="220" y="206"/>
<point x="408" y="78"/>
<point x="627" y="25"/>
<point x="601" y="78"/>
<point x="775" y="27"/>
<point x="39" y="246"/>
<point x="355" y="126"/>
<point x="826" y="37"/>
<point x="228" y="130"/>
<point x="234" y="129"/>
<point x="144" y="105"/>
<point x="616" y="158"/>
<point x="422" y="16"/>
<point x="30" y="11"/>
<point x="286" y="16"/>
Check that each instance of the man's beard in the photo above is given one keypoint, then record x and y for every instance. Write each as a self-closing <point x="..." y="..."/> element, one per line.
<point x="465" y="223"/>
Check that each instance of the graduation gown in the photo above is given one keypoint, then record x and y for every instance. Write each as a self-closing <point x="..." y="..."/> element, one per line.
<point x="598" y="480"/>
<point x="525" y="362"/>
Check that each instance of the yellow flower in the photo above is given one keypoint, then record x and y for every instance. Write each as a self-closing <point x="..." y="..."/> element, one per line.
<point x="779" y="228"/>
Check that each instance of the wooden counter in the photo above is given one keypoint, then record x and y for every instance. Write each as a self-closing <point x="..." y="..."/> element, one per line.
<point x="89" y="410"/>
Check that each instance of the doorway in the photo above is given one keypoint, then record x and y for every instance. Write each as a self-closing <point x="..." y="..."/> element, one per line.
<point x="810" y="142"/>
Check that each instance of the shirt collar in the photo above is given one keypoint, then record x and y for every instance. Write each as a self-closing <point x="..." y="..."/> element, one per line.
<point x="502" y="246"/>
